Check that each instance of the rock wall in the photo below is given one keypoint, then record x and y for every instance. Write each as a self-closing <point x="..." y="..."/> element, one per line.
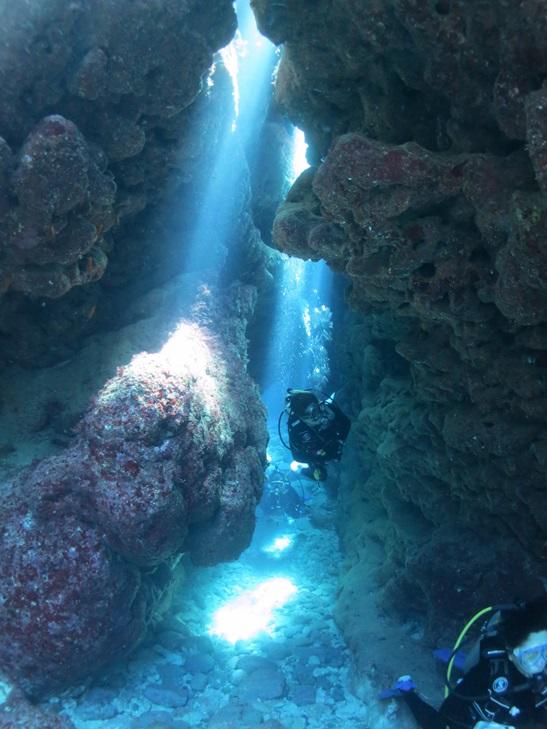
<point x="168" y="459"/>
<point x="109" y="135"/>
<point x="19" y="712"/>
<point x="428" y="124"/>
<point x="99" y="108"/>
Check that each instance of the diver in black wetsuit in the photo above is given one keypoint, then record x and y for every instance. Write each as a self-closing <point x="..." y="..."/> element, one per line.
<point x="317" y="431"/>
<point x="507" y="688"/>
<point x="280" y="498"/>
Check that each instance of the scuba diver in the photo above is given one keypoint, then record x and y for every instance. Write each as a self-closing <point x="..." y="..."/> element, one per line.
<point x="317" y="431"/>
<point x="280" y="498"/>
<point x="506" y="688"/>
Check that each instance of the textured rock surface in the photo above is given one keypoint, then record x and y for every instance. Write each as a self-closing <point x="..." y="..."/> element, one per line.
<point x="18" y="713"/>
<point x="64" y="199"/>
<point x="169" y="458"/>
<point x="96" y="108"/>
<point x="427" y="123"/>
<point x="106" y="152"/>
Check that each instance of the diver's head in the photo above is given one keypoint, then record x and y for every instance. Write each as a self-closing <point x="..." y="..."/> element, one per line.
<point x="312" y="414"/>
<point x="524" y="632"/>
<point x="530" y="656"/>
<point x="299" y="400"/>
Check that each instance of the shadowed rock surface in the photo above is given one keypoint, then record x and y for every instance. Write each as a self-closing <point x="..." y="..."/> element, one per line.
<point x="18" y="713"/>
<point x="96" y="108"/>
<point x="427" y="126"/>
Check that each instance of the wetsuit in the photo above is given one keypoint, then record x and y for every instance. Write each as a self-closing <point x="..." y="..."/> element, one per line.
<point x="281" y="498"/>
<point x="316" y="444"/>
<point x="493" y="690"/>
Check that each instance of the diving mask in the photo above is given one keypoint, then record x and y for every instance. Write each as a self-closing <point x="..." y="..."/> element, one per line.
<point x="531" y="656"/>
<point x="313" y="414"/>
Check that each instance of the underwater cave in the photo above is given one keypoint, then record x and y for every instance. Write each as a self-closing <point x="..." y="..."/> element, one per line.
<point x="273" y="355"/>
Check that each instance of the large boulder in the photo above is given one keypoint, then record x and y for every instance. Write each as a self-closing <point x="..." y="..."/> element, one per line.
<point x="168" y="459"/>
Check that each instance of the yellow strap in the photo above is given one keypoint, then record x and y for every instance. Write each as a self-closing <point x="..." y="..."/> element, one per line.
<point x="459" y="642"/>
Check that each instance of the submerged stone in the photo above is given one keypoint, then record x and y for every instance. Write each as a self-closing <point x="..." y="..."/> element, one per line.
<point x="262" y="683"/>
<point x="167" y="697"/>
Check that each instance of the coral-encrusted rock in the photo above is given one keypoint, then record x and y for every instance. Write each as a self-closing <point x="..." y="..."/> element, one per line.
<point x="457" y="243"/>
<point x="348" y="211"/>
<point x="484" y="566"/>
<point x="278" y="20"/>
<point x="521" y="290"/>
<point x="6" y="165"/>
<point x="427" y="126"/>
<point x="85" y="87"/>
<point x="51" y="240"/>
<point x="51" y="175"/>
<point x="18" y="713"/>
<point x="378" y="182"/>
<point x="446" y="74"/>
<point x="169" y="458"/>
<point x="536" y="115"/>
<point x="66" y="594"/>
